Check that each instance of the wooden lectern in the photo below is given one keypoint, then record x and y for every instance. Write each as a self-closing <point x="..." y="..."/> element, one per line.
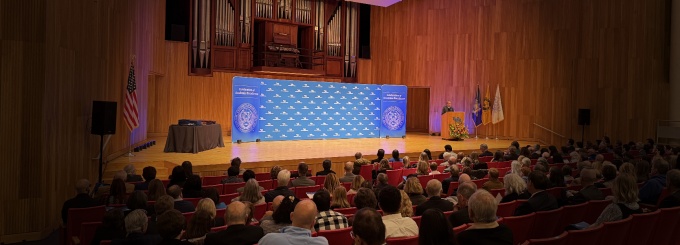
<point x="450" y="118"/>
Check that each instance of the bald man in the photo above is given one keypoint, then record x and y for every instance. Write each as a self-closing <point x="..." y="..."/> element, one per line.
<point x="349" y="176"/>
<point x="81" y="200"/>
<point x="303" y="217"/>
<point x="237" y="231"/>
<point x="275" y="205"/>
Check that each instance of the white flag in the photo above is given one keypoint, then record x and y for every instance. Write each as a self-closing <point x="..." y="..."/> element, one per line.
<point x="497" y="113"/>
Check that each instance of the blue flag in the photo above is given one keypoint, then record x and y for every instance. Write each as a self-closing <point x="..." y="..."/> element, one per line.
<point x="477" y="108"/>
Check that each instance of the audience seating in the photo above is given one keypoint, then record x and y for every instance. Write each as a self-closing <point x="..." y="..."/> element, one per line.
<point x="441" y="168"/>
<point x="417" y="219"/>
<point x="193" y="200"/>
<point x="263" y="176"/>
<point x="486" y="159"/>
<point x="409" y="171"/>
<point x="641" y="227"/>
<point x="665" y="226"/>
<point x="595" y="208"/>
<point x="441" y="177"/>
<point x="213" y="180"/>
<point x="573" y="214"/>
<point x="574" y="188"/>
<point x="346" y="211"/>
<point x="347" y="185"/>
<point x="460" y="228"/>
<point x="226" y="199"/>
<point x="424" y="179"/>
<point x="412" y="240"/>
<point x="165" y="183"/>
<point x="366" y="172"/>
<point x="266" y="184"/>
<point x="397" y="165"/>
<point x="608" y="156"/>
<point x="521" y="226"/>
<point x="495" y="192"/>
<point x="447" y="214"/>
<point x="188" y="216"/>
<point x="87" y="231"/>
<point x="350" y="199"/>
<point x="614" y="232"/>
<point x="506" y="209"/>
<point x="220" y="213"/>
<point x="439" y="161"/>
<point x="78" y="216"/>
<point x="556" y="191"/>
<point x="479" y="182"/>
<point x="301" y="191"/>
<point x="320" y="180"/>
<point x="218" y="187"/>
<point x="260" y="209"/>
<point x="557" y="240"/>
<point x="587" y="236"/>
<point x="337" y="236"/>
<point x="219" y="228"/>
<point x="546" y="224"/>
<point x="230" y="188"/>
<point x="394" y="177"/>
<point x="452" y="187"/>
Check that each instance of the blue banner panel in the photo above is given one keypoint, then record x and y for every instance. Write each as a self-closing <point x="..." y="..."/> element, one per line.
<point x="393" y="113"/>
<point x="245" y="112"/>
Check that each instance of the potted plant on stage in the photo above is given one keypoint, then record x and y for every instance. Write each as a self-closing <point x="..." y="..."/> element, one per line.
<point x="457" y="130"/>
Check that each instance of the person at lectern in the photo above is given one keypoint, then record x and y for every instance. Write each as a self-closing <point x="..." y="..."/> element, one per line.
<point x="447" y="108"/>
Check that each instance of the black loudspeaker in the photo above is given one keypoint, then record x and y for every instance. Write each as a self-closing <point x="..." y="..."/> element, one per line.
<point x="365" y="31"/>
<point x="103" y="117"/>
<point x="583" y="116"/>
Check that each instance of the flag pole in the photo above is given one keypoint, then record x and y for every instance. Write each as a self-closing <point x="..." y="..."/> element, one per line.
<point x="129" y="154"/>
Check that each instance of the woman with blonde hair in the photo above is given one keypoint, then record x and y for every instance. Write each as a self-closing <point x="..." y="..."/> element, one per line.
<point x="423" y="157"/>
<point x="356" y="184"/>
<point x="414" y="191"/>
<point x="625" y="192"/>
<point x="331" y="182"/>
<point x="156" y="189"/>
<point x="208" y="205"/>
<point x="406" y="205"/>
<point x="339" y="198"/>
<point x="627" y="168"/>
<point x="384" y="166"/>
<point x="251" y="193"/>
<point x="515" y="188"/>
<point x="423" y="168"/>
<point x="407" y="162"/>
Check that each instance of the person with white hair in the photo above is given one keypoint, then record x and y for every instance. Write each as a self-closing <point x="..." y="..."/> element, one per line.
<point x="81" y="200"/>
<point x="484" y="229"/>
<point x="434" y="190"/>
<point x="349" y="176"/>
<point x="485" y="151"/>
<point x="515" y="188"/>
<point x="131" y="175"/>
<point x="136" y="224"/>
<point x="282" y="189"/>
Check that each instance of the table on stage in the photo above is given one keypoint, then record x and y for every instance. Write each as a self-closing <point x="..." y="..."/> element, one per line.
<point x="193" y="139"/>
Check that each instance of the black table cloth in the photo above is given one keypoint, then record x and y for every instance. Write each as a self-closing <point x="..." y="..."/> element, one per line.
<point x="193" y="139"/>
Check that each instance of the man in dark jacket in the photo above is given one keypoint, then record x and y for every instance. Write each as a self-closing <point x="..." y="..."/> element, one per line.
<point x="237" y="232"/>
<point x="81" y="200"/>
<point x="540" y="200"/>
<point x="461" y="214"/>
<point x="433" y="190"/>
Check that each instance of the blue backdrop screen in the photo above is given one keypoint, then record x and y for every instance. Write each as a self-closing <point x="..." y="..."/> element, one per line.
<point x="246" y="100"/>
<point x="393" y="108"/>
<point x="300" y="110"/>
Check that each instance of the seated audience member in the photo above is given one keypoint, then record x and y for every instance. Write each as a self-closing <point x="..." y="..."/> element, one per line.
<point x="356" y="184"/>
<point x="281" y="216"/>
<point x="81" y="200"/>
<point x="566" y="172"/>
<point x="213" y="194"/>
<point x="380" y="155"/>
<point x="389" y="201"/>
<point x="511" y="154"/>
<point x="103" y="191"/>
<point x="484" y="229"/>
<point x="251" y="193"/>
<point x="112" y="228"/>
<point x="208" y="205"/>
<point x="650" y="192"/>
<point x="170" y="226"/>
<point x="199" y="225"/>
<point x="453" y="178"/>
<point x="177" y="177"/>
<point x="485" y="151"/>
<point x="117" y="193"/>
<point x="326" y="168"/>
<point x="540" y="200"/>
<point x="149" y="174"/>
<point x="395" y="156"/>
<point x="447" y="148"/>
<point x="349" y="176"/>
<point x="331" y="182"/>
<point x="625" y="193"/>
<point x="433" y="169"/>
<point x="135" y="227"/>
<point x="131" y="175"/>
<point x="556" y="178"/>
<point x="193" y="188"/>
<point x="383" y="166"/>
<point x="673" y="185"/>
<point x="627" y="168"/>
<point x="461" y="214"/>
<point x="381" y="183"/>
<point x="368" y="228"/>
<point x="435" y="229"/>
<point x="247" y="175"/>
<point x="275" y="171"/>
<point x="302" y="180"/>
<point x="608" y="176"/>
<point x="406" y="209"/>
<point x="434" y="190"/>
<point x="156" y="189"/>
<point x="188" y="169"/>
<point x="232" y="176"/>
<point x="183" y="206"/>
<point x="588" y="190"/>
<point x="365" y="198"/>
<point x="493" y="182"/>
<point x="299" y="232"/>
<point x="423" y="168"/>
<point x="162" y="205"/>
<point x="339" y="198"/>
<point x="136" y="201"/>
<point x="282" y="189"/>
<point x="236" y="162"/>
<point x="414" y="191"/>
<point x="237" y="232"/>
<point x="642" y="169"/>
<point x="327" y="219"/>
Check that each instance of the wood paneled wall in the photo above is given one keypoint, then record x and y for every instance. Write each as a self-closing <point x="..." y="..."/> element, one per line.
<point x="550" y="57"/>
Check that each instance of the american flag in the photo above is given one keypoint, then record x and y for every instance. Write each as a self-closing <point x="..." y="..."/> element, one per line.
<point x="131" y="113"/>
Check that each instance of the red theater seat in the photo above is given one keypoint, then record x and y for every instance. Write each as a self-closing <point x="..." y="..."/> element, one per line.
<point x="337" y="236"/>
<point x="613" y="232"/>
<point x="521" y="226"/>
<point x="412" y="240"/>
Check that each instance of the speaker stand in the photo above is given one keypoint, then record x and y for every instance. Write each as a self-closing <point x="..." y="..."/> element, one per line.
<point x="101" y="156"/>
<point x="129" y="154"/>
<point x="583" y="133"/>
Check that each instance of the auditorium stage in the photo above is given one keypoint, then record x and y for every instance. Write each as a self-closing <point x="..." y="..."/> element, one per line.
<point x="260" y="156"/>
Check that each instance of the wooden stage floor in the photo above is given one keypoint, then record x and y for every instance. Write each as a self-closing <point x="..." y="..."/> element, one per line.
<point x="260" y="156"/>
